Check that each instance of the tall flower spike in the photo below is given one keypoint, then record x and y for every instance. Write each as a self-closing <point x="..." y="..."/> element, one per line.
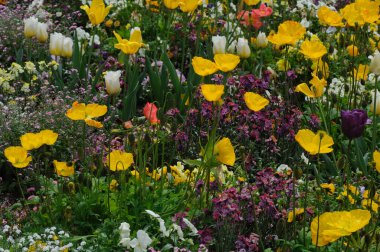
<point x="97" y="11"/>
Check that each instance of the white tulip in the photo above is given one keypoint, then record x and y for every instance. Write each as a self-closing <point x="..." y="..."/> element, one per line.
<point x="261" y="40"/>
<point x="375" y="105"/>
<point x="374" y="67"/>
<point x="219" y="44"/>
<point x="30" y="27"/>
<point x="112" y="79"/>
<point x="56" y="43"/>
<point x="67" y="47"/>
<point x="243" y="49"/>
<point x="41" y="33"/>
<point x="125" y="230"/>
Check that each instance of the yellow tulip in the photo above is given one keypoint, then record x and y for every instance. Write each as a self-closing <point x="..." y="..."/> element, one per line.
<point x="376" y="160"/>
<point x="224" y="152"/>
<point x="97" y="11"/>
<point x="203" y="67"/>
<point x="251" y="2"/>
<point x="17" y="156"/>
<point x="171" y="4"/>
<point x="352" y="50"/>
<point x="361" y="73"/>
<point x="129" y="46"/>
<point x="255" y="101"/>
<point x="226" y="62"/>
<point x="63" y="169"/>
<point x="188" y="5"/>
<point x="313" y="143"/>
<point x="119" y="160"/>
<point x="212" y="92"/>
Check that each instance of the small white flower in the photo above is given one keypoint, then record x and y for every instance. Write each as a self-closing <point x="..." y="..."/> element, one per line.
<point x="304" y="158"/>
<point x="179" y="231"/>
<point x="163" y="229"/>
<point x="141" y="243"/>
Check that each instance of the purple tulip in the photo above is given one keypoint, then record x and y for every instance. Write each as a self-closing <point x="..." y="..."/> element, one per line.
<point x="353" y="122"/>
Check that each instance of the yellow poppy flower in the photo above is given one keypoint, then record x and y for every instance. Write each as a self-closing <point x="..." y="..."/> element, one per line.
<point x="97" y="11"/>
<point x="226" y="62"/>
<point x="212" y="92"/>
<point x="255" y="101"/>
<point x="81" y="111"/>
<point x="313" y="143"/>
<point x="224" y="152"/>
<point x="119" y="160"/>
<point x="361" y="73"/>
<point x="328" y="17"/>
<point x="376" y="159"/>
<point x="48" y="137"/>
<point x="330" y="226"/>
<point x="188" y="5"/>
<point x="313" y="49"/>
<point x="63" y="169"/>
<point x="31" y="141"/>
<point x="203" y="67"/>
<point x="329" y="187"/>
<point x="171" y="4"/>
<point x="315" y="90"/>
<point x="297" y="212"/>
<point x="289" y="32"/>
<point x="129" y="46"/>
<point x="17" y="156"/>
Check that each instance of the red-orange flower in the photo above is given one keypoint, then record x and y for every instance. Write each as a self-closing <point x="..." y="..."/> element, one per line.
<point x="263" y="11"/>
<point x="150" y="113"/>
<point x="249" y="18"/>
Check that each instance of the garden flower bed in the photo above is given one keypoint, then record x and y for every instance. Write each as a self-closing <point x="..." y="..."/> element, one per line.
<point x="186" y="125"/>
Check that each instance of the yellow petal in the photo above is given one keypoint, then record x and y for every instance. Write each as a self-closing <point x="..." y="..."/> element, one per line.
<point x="48" y="137"/>
<point x="95" y="110"/>
<point x="31" y="141"/>
<point x="325" y="143"/>
<point x="376" y="159"/>
<point x="17" y="156"/>
<point x="224" y="152"/>
<point x="211" y="92"/>
<point x="63" y="169"/>
<point x="119" y="160"/>
<point x="94" y="123"/>
<point x="226" y="62"/>
<point x="203" y="67"/>
<point x="304" y="88"/>
<point x="77" y="111"/>
<point x="255" y="101"/>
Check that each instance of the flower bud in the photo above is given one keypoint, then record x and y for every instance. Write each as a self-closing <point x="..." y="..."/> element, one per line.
<point x="41" y="32"/>
<point x="242" y="48"/>
<point x="112" y="79"/>
<point x="353" y="122"/>
<point x="374" y="67"/>
<point x="67" y="47"/>
<point x="219" y="44"/>
<point x="261" y="40"/>
<point x="30" y="27"/>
